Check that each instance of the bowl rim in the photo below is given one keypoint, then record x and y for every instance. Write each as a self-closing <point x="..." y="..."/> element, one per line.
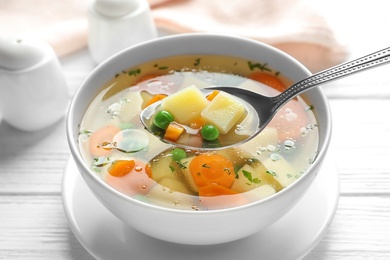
<point x="75" y="153"/>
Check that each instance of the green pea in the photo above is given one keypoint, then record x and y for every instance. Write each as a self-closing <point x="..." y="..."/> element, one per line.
<point x="209" y="132"/>
<point x="162" y="119"/>
<point x="178" y="154"/>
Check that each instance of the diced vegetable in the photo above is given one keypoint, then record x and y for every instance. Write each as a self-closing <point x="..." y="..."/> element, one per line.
<point x="214" y="189"/>
<point x="121" y="167"/>
<point x="178" y="154"/>
<point x="135" y="182"/>
<point x="162" y="196"/>
<point x="100" y="138"/>
<point x="162" y="170"/>
<point x="191" y="140"/>
<point x="155" y="99"/>
<point x="269" y="80"/>
<point x="211" y="168"/>
<point x="185" y="105"/>
<point x="162" y="119"/>
<point x="249" y="178"/>
<point x="175" y="185"/>
<point x="215" y="196"/>
<point x="281" y="170"/>
<point x="209" y="132"/>
<point x="184" y="167"/>
<point x="212" y="95"/>
<point x="260" y="192"/>
<point x="173" y="131"/>
<point x="197" y="123"/>
<point x="224" y="111"/>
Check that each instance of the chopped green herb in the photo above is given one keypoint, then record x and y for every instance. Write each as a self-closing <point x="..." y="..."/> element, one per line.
<point x="135" y="72"/>
<point x="248" y="175"/>
<point x="271" y="173"/>
<point x="182" y="165"/>
<point x="172" y="168"/>
<point x="197" y="62"/>
<point x="100" y="161"/>
<point x="205" y="166"/>
<point x="163" y="67"/>
<point x="311" y="107"/>
<point x="262" y="67"/>
<point x="85" y="132"/>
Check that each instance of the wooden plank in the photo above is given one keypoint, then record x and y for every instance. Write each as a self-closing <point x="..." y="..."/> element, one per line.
<point x="34" y="227"/>
<point x="32" y="162"/>
<point x="76" y="68"/>
<point x="360" y="230"/>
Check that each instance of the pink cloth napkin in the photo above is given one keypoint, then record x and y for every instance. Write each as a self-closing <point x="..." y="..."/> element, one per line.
<point x="292" y="26"/>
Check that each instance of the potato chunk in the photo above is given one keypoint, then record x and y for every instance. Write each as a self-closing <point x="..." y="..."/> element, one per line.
<point x="282" y="171"/>
<point x="250" y="178"/>
<point x="185" y="105"/>
<point x="224" y="111"/>
<point x="187" y="173"/>
<point x="163" y="196"/>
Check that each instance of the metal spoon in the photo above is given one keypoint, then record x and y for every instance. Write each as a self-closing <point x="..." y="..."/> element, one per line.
<point x="266" y="107"/>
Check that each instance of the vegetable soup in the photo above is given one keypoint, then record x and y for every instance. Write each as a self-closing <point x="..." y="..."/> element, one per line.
<point x="132" y="160"/>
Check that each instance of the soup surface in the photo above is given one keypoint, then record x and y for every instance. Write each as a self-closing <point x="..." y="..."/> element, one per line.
<point x="132" y="160"/>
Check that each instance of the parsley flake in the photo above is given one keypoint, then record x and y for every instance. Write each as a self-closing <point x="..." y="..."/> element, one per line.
<point x="205" y="166"/>
<point x="197" y="62"/>
<point x="262" y="67"/>
<point x="248" y="175"/>
<point x="134" y="72"/>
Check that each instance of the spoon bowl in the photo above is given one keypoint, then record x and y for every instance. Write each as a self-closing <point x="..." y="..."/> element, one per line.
<point x="249" y="126"/>
<point x="266" y="107"/>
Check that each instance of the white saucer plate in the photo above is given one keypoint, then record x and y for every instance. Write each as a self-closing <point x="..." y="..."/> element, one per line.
<point x="292" y="237"/>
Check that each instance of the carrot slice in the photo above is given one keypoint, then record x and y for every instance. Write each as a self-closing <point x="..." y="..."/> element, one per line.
<point x="197" y="123"/>
<point x="210" y="168"/>
<point x="121" y="167"/>
<point x="212" y="95"/>
<point x="101" y="137"/>
<point x="155" y="98"/>
<point x="134" y="183"/>
<point x="215" y="196"/>
<point x="215" y="190"/>
<point x="268" y="79"/>
<point x="173" y="131"/>
<point x="148" y="170"/>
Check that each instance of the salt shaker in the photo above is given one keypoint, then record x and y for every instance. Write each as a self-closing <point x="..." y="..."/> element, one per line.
<point x="117" y="24"/>
<point x="33" y="89"/>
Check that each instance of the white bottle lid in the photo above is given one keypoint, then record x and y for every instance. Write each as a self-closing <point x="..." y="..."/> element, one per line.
<point x="19" y="54"/>
<point x="116" y="8"/>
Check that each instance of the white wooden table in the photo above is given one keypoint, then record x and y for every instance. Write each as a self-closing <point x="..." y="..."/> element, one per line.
<point x="33" y="224"/>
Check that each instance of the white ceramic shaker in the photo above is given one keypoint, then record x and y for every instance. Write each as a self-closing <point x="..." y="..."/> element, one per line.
<point x="33" y="89"/>
<point x="117" y="24"/>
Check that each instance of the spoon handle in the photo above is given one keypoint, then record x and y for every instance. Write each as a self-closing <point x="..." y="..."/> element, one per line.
<point x="369" y="61"/>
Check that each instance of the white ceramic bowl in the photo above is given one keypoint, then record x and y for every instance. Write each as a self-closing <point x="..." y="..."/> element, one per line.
<point x="197" y="227"/>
